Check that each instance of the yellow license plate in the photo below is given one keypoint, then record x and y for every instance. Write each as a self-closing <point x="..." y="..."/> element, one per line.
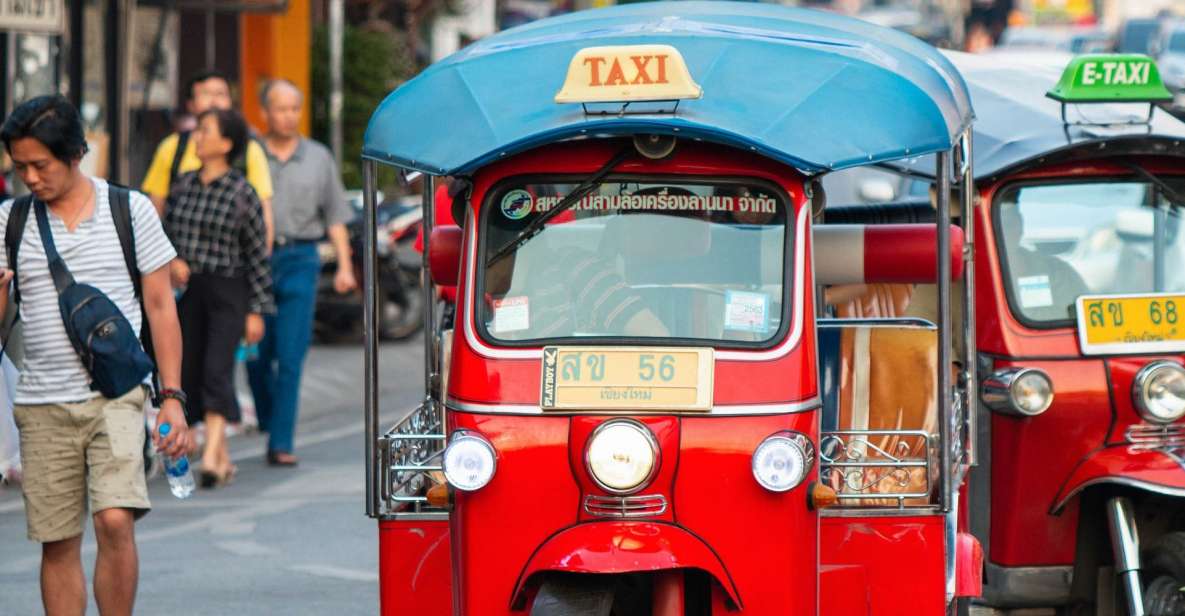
<point x="1153" y="323"/>
<point x="627" y="378"/>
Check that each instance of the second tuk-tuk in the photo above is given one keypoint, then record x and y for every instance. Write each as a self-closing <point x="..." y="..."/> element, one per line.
<point x="1080" y="182"/>
<point x="637" y="409"/>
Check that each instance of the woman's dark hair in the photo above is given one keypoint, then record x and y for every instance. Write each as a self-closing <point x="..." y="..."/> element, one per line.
<point x="232" y="126"/>
<point x="199" y="77"/>
<point x="51" y="120"/>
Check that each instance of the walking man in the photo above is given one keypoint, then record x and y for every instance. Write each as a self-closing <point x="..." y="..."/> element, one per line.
<point x="176" y="154"/>
<point x="81" y="450"/>
<point x="309" y="204"/>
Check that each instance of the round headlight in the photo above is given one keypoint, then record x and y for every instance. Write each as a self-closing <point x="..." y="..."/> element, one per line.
<point x="1159" y="391"/>
<point x="782" y="461"/>
<point x="1025" y="392"/>
<point x="468" y="462"/>
<point x="622" y="456"/>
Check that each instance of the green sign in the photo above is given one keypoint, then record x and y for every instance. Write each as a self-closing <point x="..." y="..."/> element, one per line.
<point x="1110" y="78"/>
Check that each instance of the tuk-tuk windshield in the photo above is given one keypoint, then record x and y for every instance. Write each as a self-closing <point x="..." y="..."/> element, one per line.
<point x="1062" y="240"/>
<point x="635" y="259"/>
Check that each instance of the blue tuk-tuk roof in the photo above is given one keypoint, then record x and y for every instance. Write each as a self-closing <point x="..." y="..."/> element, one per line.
<point x="814" y="90"/>
<point x="1017" y="125"/>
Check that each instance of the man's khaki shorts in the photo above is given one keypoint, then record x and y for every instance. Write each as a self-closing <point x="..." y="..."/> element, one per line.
<point x="78" y="454"/>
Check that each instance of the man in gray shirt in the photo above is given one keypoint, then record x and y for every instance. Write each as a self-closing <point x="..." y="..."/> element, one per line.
<point x="309" y="203"/>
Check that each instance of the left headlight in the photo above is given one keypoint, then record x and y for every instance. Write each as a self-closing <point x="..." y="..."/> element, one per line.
<point x="1159" y="392"/>
<point x="622" y="456"/>
<point x="782" y="461"/>
<point x="469" y="462"/>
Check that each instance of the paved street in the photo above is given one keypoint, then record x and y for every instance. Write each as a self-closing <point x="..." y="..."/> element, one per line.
<point x="277" y="541"/>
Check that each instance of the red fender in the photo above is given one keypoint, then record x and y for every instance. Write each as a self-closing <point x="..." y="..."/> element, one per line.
<point x="1154" y="471"/>
<point x="624" y="547"/>
<point x="968" y="566"/>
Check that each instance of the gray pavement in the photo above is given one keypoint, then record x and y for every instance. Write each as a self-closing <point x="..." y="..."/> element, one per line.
<point x="276" y="541"/>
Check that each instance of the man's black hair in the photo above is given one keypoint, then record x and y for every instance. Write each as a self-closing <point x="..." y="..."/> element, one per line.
<point x="51" y="120"/>
<point x="232" y="126"/>
<point x="197" y="78"/>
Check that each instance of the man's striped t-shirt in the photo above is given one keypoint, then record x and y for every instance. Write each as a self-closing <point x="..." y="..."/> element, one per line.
<point x="52" y="371"/>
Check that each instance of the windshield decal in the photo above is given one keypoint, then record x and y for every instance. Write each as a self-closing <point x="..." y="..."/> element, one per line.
<point x="1034" y="291"/>
<point x="660" y="202"/>
<point x="747" y="312"/>
<point x="517" y="204"/>
<point x="512" y="314"/>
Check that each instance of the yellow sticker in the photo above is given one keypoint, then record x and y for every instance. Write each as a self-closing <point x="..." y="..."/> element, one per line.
<point x="627" y="378"/>
<point x="1151" y="323"/>
<point x="627" y="73"/>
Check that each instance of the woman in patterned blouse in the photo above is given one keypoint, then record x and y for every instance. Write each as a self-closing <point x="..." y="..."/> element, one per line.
<point x="215" y="220"/>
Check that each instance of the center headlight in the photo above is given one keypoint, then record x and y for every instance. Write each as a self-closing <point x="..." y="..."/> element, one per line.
<point x="622" y="456"/>
<point x="1159" y="392"/>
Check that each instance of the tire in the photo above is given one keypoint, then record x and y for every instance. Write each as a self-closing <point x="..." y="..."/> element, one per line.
<point x="401" y="313"/>
<point x="1163" y="571"/>
<point x="574" y="596"/>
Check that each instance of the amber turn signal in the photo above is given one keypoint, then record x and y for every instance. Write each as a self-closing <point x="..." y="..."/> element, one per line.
<point x="438" y="495"/>
<point x="821" y="496"/>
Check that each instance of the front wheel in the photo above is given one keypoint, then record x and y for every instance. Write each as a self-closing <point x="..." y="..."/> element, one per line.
<point x="1163" y="572"/>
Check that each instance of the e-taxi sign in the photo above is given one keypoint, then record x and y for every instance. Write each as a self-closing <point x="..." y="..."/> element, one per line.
<point x="626" y="74"/>
<point x="1110" y="78"/>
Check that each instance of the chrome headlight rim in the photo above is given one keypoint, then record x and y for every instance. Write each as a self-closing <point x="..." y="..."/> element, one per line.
<point x="1140" y="385"/>
<point x="651" y="440"/>
<point x="466" y="436"/>
<point x="796" y="440"/>
<point x="996" y="391"/>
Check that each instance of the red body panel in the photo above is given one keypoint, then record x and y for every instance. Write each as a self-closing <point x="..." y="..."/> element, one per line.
<point x="1153" y="469"/>
<point x="902" y="560"/>
<point x="624" y="547"/>
<point x="906" y="253"/>
<point x="414" y="568"/>
<point x="1092" y="407"/>
<point x="969" y="567"/>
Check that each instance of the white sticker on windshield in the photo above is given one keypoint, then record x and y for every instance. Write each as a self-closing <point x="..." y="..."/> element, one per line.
<point x="1034" y="291"/>
<point x="748" y="312"/>
<point x="511" y="314"/>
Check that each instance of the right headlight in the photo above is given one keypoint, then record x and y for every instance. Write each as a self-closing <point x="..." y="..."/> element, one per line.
<point x="782" y="461"/>
<point x="1025" y="392"/>
<point x="1159" y="392"/>
<point x="469" y="461"/>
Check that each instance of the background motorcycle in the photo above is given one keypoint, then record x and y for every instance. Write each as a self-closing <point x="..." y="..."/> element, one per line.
<point x="339" y="317"/>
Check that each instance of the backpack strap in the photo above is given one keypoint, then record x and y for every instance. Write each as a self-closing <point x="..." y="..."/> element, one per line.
<point x="121" y="213"/>
<point x="18" y="216"/>
<point x="178" y="154"/>
<point x="62" y="278"/>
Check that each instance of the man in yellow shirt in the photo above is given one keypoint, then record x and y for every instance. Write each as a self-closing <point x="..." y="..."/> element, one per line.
<point x="205" y="90"/>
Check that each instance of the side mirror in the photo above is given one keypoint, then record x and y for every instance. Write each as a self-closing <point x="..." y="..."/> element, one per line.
<point x="444" y="255"/>
<point x="876" y="191"/>
<point x="852" y="254"/>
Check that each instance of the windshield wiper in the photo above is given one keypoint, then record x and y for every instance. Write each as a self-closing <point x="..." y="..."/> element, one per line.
<point x="1173" y="196"/>
<point x="581" y="191"/>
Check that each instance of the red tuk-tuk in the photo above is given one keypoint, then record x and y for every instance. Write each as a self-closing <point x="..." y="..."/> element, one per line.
<point x="1077" y="496"/>
<point x="637" y="409"/>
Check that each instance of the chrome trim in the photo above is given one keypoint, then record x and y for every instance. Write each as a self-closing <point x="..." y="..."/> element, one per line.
<point x="413" y="517"/>
<point x="466" y="435"/>
<point x="1127" y="482"/>
<point x="639" y="506"/>
<point x="650" y="440"/>
<point x="799" y="441"/>
<point x="1168" y="438"/>
<point x="1026" y="586"/>
<point x="370" y="392"/>
<point x="720" y="409"/>
<point x="783" y="349"/>
<point x="841" y="450"/>
<point x="411" y="453"/>
<point x="951" y="530"/>
<point x="996" y="391"/>
<point x="1140" y="390"/>
<point x="1125" y="541"/>
<point x="946" y="417"/>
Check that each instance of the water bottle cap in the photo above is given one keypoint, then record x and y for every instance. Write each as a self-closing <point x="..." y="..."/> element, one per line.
<point x="164" y="429"/>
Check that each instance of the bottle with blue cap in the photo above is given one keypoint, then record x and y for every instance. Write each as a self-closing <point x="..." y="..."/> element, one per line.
<point x="177" y="470"/>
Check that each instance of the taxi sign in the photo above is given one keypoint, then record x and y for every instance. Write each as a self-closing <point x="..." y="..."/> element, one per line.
<point x="1151" y="323"/>
<point x="626" y="379"/>
<point x="627" y="73"/>
<point x="1110" y="78"/>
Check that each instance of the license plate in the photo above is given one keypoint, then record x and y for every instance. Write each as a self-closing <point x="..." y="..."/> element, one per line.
<point x="627" y="378"/>
<point x="1153" y="323"/>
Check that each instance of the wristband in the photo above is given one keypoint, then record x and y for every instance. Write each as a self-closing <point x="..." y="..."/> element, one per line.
<point x="175" y="394"/>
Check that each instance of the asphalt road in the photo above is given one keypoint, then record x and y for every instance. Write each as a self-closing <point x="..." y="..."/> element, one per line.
<point x="276" y="541"/>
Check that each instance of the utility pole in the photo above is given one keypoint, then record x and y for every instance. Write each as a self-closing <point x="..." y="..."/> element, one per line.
<point x="336" y="25"/>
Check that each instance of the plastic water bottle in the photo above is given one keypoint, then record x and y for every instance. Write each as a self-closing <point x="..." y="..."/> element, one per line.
<point x="247" y="352"/>
<point x="177" y="470"/>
